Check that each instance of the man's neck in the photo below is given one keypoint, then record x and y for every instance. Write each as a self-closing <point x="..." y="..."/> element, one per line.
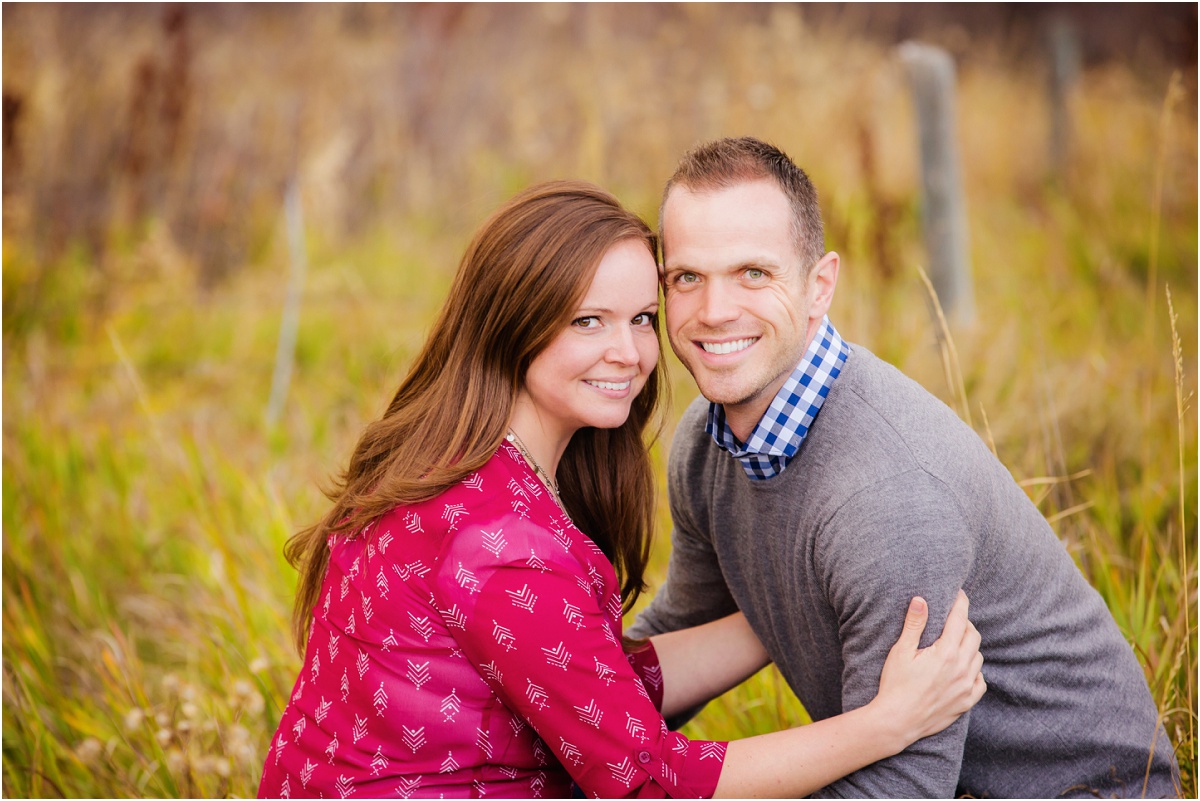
<point x="744" y="417"/>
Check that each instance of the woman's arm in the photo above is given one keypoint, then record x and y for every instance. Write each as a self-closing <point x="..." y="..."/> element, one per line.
<point x="921" y="691"/>
<point x="702" y="662"/>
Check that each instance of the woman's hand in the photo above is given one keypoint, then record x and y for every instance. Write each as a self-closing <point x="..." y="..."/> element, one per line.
<point x="924" y="690"/>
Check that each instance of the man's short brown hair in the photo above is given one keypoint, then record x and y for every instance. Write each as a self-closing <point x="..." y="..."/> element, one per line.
<point x="726" y="162"/>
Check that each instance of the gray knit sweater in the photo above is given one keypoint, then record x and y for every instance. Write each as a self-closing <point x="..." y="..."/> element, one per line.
<point x="892" y="496"/>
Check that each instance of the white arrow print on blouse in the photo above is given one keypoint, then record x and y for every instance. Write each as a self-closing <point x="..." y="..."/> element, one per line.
<point x="604" y="672"/>
<point x="522" y="598"/>
<point x="279" y="744"/>
<point x="360" y="729"/>
<point x="536" y="695"/>
<point x="712" y="751"/>
<point x="306" y="772"/>
<point x="316" y="665"/>
<point x="492" y="672"/>
<point x="573" y="615"/>
<point x="452" y="617"/>
<point x="533" y="485"/>
<point x="570" y="752"/>
<point x="325" y="606"/>
<point x="451" y="705"/>
<point x="286" y="790"/>
<point x="561" y="537"/>
<point x="332" y="748"/>
<point x="421" y="626"/>
<point x="517" y="490"/>
<point x="483" y="743"/>
<point x="414" y="738"/>
<point x="520" y="508"/>
<point x="332" y="646"/>
<point x="323" y="709"/>
<point x="537" y="783"/>
<point x="536" y="562"/>
<point x="449" y="764"/>
<point x="452" y="513"/>
<point x="418" y="674"/>
<point x="622" y="771"/>
<point x="590" y="714"/>
<point x="412" y="522"/>
<point x="385" y="539"/>
<point x="494" y="541"/>
<point x="350" y="623"/>
<point x="344" y="685"/>
<point x="653" y="675"/>
<point x="503" y="636"/>
<point x="557" y="656"/>
<point x="635" y="728"/>
<point x="354" y="568"/>
<point x="368" y="612"/>
<point x="474" y="481"/>
<point x="381" y="584"/>
<point x="381" y="700"/>
<point x="362" y="663"/>
<point x="466" y="579"/>
<point x="343" y="786"/>
<point x="405" y="787"/>
<point x="378" y="762"/>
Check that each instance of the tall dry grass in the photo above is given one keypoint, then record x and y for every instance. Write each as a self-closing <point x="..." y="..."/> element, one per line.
<point x="145" y="502"/>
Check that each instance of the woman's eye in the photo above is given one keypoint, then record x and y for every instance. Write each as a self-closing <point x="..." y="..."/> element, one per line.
<point x="585" y="322"/>
<point x="645" y="318"/>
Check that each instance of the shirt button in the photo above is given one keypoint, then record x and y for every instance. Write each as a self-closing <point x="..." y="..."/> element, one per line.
<point x="643" y="757"/>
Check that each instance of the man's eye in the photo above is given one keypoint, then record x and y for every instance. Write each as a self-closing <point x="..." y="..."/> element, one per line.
<point x="754" y="274"/>
<point x="686" y="278"/>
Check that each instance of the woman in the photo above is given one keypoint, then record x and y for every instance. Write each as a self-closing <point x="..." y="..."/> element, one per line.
<point x="462" y="632"/>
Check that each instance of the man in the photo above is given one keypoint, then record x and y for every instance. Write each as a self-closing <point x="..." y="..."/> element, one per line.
<point x="818" y="490"/>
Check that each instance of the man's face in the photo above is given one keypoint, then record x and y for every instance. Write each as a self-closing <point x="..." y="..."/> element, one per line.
<point x="739" y="309"/>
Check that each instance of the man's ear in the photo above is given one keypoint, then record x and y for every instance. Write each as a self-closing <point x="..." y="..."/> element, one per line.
<point x="822" y="281"/>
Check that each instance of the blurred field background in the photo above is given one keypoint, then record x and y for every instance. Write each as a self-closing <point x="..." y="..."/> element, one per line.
<point x="147" y="151"/>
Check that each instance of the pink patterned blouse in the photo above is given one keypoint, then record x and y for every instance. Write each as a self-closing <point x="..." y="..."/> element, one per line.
<point x="470" y="646"/>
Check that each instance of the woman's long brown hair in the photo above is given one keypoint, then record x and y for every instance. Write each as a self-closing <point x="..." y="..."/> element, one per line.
<point x="524" y="273"/>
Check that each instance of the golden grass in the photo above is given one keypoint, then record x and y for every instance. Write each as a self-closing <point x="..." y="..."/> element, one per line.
<point x="145" y="505"/>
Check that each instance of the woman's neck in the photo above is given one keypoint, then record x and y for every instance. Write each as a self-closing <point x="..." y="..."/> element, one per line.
<point x="543" y="444"/>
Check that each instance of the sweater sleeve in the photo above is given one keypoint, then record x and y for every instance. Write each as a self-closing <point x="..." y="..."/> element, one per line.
<point x="903" y="538"/>
<point x="541" y="640"/>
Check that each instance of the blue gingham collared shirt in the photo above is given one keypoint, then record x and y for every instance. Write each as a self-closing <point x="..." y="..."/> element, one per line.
<point x="778" y="435"/>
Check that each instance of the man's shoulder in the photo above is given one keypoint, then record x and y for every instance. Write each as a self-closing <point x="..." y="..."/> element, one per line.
<point x="691" y="445"/>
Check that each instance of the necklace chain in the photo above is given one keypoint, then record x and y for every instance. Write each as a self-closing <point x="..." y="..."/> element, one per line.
<point x="538" y="470"/>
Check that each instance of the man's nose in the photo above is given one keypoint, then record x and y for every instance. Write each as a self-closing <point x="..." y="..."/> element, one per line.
<point x="717" y="306"/>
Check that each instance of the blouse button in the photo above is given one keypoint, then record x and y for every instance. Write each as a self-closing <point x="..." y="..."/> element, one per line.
<point x="643" y="757"/>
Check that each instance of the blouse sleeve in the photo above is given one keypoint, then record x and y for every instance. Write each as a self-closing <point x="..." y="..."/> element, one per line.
<point x="539" y="638"/>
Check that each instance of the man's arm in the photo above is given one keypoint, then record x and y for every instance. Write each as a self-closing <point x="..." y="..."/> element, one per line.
<point x="884" y="546"/>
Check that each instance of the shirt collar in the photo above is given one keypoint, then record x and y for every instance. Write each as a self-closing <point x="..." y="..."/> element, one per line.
<point x="782" y="429"/>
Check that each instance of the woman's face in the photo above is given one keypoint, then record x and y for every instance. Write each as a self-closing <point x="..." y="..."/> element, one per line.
<point x="591" y="372"/>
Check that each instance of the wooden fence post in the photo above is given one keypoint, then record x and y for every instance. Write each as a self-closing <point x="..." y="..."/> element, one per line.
<point x="943" y="212"/>
<point x="1063" y="44"/>
<point x="285" y="354"/>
